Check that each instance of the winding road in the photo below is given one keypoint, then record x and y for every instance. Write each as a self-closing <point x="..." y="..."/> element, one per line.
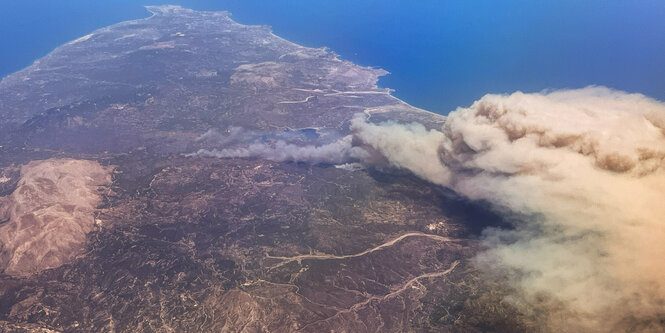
<point x="299" y="258"/>
<point x="394" y="293"/>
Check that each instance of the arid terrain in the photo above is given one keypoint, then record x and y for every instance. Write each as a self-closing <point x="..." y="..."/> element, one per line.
<point x="182" y="173"/>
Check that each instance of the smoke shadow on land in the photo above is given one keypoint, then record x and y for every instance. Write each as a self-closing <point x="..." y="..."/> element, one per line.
<point x="475" y="216"/>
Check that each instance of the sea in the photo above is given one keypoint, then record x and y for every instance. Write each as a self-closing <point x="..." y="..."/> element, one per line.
<point x="441" y="54"/>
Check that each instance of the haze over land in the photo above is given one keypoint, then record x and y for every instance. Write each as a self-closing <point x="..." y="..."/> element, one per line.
<point x="581" y="174"/>
<point x="228" y="179"/>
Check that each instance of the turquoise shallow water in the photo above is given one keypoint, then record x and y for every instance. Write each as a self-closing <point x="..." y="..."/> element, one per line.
<point x="442" y="54"/>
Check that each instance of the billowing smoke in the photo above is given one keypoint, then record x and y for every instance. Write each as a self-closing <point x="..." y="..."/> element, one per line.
<point x="581" y="173"/>
<point x="585" y="171"/>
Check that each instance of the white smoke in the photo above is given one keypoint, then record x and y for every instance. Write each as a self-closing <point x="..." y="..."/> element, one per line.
<point x="338" y="151"/>
<point x="588" y="168"/>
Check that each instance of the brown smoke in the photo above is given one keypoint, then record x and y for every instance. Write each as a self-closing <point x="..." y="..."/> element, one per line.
<point x="588" y="166"/>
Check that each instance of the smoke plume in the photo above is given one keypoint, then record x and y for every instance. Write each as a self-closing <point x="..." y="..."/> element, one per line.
<point x="585" y="171"/>
<point x="581" y="173"/>
<point x="335" y="152"/>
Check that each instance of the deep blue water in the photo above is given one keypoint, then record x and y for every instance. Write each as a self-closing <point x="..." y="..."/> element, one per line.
<point x="442" y="54"/>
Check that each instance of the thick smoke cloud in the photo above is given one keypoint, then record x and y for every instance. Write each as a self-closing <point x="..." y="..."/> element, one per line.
<point x="581" y="173"/>
<point x="585" y="169"/>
